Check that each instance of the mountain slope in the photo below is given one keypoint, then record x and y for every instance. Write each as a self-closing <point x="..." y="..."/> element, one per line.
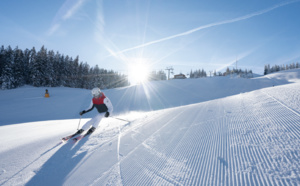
<point x="28" y="103"/>
<point x="246" y="139"/>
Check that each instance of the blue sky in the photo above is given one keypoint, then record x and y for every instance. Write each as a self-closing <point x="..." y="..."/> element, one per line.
<point x="191" y="34"/>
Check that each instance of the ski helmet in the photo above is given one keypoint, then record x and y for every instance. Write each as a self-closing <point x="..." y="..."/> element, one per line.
<point x="96" y="92"/>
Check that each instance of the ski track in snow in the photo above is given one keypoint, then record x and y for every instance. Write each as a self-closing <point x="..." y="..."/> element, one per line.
<point x="243" y="142"/>
<point x="248" y="139"/>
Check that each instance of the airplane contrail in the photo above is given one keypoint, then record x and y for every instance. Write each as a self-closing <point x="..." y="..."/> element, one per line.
<point x="66" y="11"/>
<point x="209" y="25"/>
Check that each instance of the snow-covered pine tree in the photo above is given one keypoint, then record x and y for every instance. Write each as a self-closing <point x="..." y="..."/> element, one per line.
<point x="96" y="77"/>
<point x="7" y="76"/>
<point x="37" y="67"/>
<point x="57" y="70"/>
<point x="85" y="76"/>
<point x="2" y="61"/>
<point x="75" y="71"/>
<point x="18" y="67"/>
<point x="26" y="66"/>
<point x="49" y="72"/>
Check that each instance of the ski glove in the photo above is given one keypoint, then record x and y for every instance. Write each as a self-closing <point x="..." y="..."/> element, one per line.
<point x="106" y="114"/>
<point x="82" y="112"/>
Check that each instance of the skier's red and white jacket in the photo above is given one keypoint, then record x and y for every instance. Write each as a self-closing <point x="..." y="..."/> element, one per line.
<point x="102" y="104"/>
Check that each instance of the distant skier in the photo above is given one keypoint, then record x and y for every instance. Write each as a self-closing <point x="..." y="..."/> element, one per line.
<point x="47" y="94"/>
<point x="104" y="108"/>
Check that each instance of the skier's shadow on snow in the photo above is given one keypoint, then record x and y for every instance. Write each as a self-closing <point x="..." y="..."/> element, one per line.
<point x="56" y="170"/>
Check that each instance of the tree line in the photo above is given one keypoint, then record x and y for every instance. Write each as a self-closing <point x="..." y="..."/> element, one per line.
<point x="239" y="72"/>
<point x="198" y="74"/>
<point x="50" y="69"/>
<point x="157" y="75"/>
<point x="276" y="68"/>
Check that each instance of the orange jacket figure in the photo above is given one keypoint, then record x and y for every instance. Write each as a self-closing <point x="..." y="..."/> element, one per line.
<point x="47" y="94"/>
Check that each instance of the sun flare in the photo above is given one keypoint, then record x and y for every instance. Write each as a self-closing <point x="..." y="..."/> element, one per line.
<point x="138" y="71"/>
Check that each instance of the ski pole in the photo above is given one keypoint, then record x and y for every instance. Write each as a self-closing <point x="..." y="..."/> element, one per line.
<point x="121" y="119"/>
<point x="79" y="123"/>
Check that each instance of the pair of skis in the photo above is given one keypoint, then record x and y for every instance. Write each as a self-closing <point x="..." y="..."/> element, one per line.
<point x="65" y="139"/>
<point x="90" y="131"/>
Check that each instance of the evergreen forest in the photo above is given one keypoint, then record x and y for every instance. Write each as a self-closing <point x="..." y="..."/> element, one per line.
<point x="46" y="68"/>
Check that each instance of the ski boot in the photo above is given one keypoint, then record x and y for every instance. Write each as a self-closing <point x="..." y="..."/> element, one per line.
<point x="91" y="130"/>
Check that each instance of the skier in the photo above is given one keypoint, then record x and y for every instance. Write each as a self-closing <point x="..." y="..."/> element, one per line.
<point x="104" y="108"/>
<point x="47" y="94"/>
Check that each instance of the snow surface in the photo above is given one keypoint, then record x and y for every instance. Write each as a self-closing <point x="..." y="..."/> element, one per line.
<point x="212" y="131"/>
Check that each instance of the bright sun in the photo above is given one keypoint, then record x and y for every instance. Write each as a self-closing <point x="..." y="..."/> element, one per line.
<point x="138" y="71"/>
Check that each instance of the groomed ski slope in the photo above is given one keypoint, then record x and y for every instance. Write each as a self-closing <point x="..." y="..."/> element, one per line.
<point x="251" y="138"/>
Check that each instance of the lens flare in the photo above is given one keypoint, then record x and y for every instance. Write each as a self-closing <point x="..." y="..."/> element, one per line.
<point x="138" y="71"/>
